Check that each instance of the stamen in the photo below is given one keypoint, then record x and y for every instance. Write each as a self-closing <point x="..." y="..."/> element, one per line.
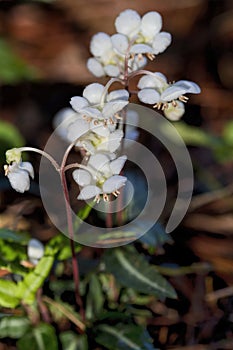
<point x="158" y="105"/>
<point x="117" y="116"/>
<point x="183" y="98"/>
<point x="116" y="193"/>
<point x="140" y="56"/>
<point x="151" y="56"/>
<point x="96" y="122"/>
<point x="174" y="103"/>
<point x="6" y="169"/>
<point x="97" y="198"/>
<point x="105" y="197"/>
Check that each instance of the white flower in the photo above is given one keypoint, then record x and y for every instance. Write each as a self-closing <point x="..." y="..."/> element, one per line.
<point x="155" y="90"/>
<point x="128" y="23"/>
<point x="95" y="104"/>
<point x="94" y="137"/>
<point x="100" y="176"/>
<point x="62" y="120"/>
<point x="19" y="175"/>
<point x="105" y="60"/>
<point x="143" y="33"/>
<point x="35" y="251"/>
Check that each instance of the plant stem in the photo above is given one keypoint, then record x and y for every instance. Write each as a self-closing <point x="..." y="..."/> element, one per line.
<point x="43" y="153"/>
<point x="71" y="230"/>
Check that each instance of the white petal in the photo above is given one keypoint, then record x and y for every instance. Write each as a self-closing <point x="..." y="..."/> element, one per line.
<point x="35" y="250"/>
<point x="190" y="86"/>
<point x="82" y="177"/>
<point x="19" y="180"/>
<point x="77" y="129"/>
<point x="27" y="167"/>
<point x="100" y="44"/>
<point x="120" y="43"/>
<point x="63" y="115"/>
<point x="161" y="42"/>
<point x="111" y="108"/>
<point x="112" y="70"/>
<point x="128" y="23"/>
<point x="151" y="24"/>
<point x="98" y="161"/>
<point x="141" y="48"/>
<point x="100" y="130"/>
<point x="121" y="94"/>
<point x="115" y="140"/>
<point x="137" y="62"/>
<point x="114" y="183"/>
<point x="156" y="81"/>
<point x="174" y="113"/>
<point x="95" y="67"/>
<point x="89" y="192"/>
<point x="91" y="112"/>
<point x="78" y="103"/>
<point x="117" y="164"/>
<point x="172" y="93"/>
<point x="93" y="93"/>
<point x="149" y="96"/>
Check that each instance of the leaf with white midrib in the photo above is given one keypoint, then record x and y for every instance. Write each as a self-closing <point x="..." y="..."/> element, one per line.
<point x="132" y="270"/>
<point x="119" y="335"/>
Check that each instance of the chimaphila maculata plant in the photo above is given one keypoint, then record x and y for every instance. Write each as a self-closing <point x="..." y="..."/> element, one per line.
<point x="95" y="123"/>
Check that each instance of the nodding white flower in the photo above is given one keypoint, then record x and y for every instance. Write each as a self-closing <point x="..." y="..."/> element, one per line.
<point x="35" y="251"/>
<point x="98" y="105"/>
<point x="105" y="60"/>
<point x="144" y="33"/>
<point x="155" y="90"/>
<point x="94" y="137"/>
<point x="19" y="175"/>
<point x="100" y="177"/>
<point x="62" y="120"/>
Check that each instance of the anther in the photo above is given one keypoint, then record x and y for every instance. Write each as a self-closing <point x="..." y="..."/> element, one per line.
<point x="183" y="98"/>
<point x="105" y="197"/>
<point x="117" y="116"/>
<point x="150" y="56"/>
<point x="97" y="198"/>
<point x="6" y="169"/>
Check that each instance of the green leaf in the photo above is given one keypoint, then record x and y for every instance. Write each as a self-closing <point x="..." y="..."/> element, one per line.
<point x="60" y="246"/>
<point x="8" y="297"/>
<point x="71" y="341"/>
<point x="132" y="270"/>
<point x="156" y="237"/>
<point x="14" y="327"/>
<point x="12" y="236"/>
<point x="227" y="133"/>
<point x="124" y="337"/>
<point x="195" y="136"/>
<point x="42" y="337"/>
<point x="12" y="67"/>
<point x="95" y="298"/>
<point x="34" y="280"/>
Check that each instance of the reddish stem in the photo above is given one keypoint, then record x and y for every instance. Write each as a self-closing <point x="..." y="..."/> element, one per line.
<point x="71" y="232"/>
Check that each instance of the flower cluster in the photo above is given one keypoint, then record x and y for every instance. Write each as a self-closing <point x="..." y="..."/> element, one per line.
<point x="94" y="123"/>
<point x="137" y="39"/>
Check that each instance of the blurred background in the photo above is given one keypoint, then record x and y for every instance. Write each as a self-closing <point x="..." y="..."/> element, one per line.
<point x="44" y="46"/>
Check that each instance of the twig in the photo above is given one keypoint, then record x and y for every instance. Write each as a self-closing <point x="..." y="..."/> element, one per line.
<point x="206" y="198"/>
<point x="81" y="326"/>
<point x="218" y="294"/>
